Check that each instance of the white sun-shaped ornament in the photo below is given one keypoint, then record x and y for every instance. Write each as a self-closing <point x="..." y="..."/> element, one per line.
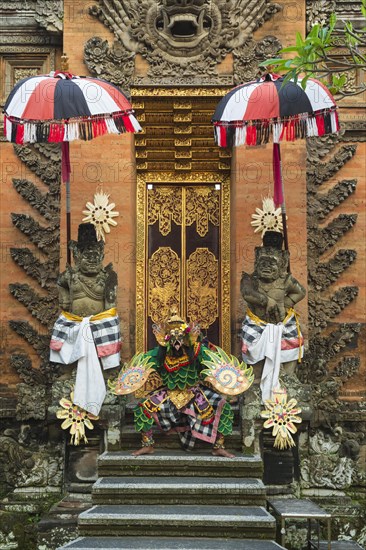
<point x="100" y="214"/>
<point x="267" y="219"/>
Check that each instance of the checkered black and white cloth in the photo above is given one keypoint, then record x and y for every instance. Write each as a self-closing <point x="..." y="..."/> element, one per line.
<point x="291" y="342"/>
<point x="87" y="341"/>
<point x="105" y="333"/>
<point x="186" y="421"/>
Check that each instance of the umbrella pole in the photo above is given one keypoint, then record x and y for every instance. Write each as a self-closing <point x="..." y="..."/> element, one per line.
<point x="279" y="192"/>
<point x="68" y="222"/>
<point x="66" y="171"/>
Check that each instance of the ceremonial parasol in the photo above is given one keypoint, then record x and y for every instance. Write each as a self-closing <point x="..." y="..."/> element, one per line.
<point x="271" y="108"/>
<point x="62" y="107"/>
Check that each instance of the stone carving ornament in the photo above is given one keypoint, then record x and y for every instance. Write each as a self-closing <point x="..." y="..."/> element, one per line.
<point x="331" y="462"/>
<point x="318" y="11"/>
<point x="28" y="467"/>
<point x="49" y="14"/>
<point x="178" y="39"/>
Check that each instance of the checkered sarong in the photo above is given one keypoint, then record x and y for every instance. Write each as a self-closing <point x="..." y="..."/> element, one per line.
<point x="186" y="421"/>
<point x="105" y="333"/>
<point x="291" y="343"/>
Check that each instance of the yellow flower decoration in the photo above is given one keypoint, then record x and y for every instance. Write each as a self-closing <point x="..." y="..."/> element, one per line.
<point x="268" y="219"/>
<point x="76" y="419"/>
<point x="100" y="214"/>
<point x="281" y="417"/>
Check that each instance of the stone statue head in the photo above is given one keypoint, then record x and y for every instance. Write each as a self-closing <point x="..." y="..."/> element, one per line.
<point x="271" y="262"/>
<point x="87" y="251"/>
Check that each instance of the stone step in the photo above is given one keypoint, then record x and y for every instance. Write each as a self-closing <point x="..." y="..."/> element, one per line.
<point x="178" y="463"/>
<point x="182" y="490"/>
<point x="200" y="521"/>
<point x="132" y="440"/>
<point x="165" y="543"/>
<point x="340" y="545"/>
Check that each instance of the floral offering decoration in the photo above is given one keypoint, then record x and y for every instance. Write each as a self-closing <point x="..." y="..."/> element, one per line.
<point x="76" y="419"/>
<point x="267" y="219"/>
<point x="101" y="214"/>
<point x="281" y="415"/>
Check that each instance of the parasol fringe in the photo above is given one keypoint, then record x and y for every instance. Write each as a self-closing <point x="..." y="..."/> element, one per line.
<point x="333" y="122"/>
<point x="228" y="134"/>
<point x="55" y="132"/>
<point x="111" y="127"/>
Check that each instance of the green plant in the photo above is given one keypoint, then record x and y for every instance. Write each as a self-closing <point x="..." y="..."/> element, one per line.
<point x="316" y="54"/>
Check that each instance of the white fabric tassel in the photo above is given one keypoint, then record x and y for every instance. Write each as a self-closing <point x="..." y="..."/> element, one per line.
<point x="276" y="131"/>
<point x="313" y="121"/>
<point x="73" y="132"/>
<point x="27" y="134"/>
<point x="333" y="121"/>
<point x="112" y="128"/>
<point x="217" y="135"/>
<point x="237" y="136"/>
<point x="311" y="127"/>
<point x="242" y="135"/>
<point x="30" y="135"/>
<point x="8" y="126"/>
<point x="135" y="123"/>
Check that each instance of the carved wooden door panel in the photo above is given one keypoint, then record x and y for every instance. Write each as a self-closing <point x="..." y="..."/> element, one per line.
<point x="183" y="255"/>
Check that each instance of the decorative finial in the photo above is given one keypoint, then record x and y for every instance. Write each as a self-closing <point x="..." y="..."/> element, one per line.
<point x="64" y="62"/>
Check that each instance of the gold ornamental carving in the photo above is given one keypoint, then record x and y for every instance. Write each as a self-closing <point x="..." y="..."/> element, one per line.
<point x="203" y="205"/>
<point x="21" y="72"/>
<point x="202" y="287"/>
<point x="164" y="205"/>
<point x="182" y="104"/>
<point x="199" y="91"/>
<point x="164" y="283"/>
<point x="172" y="177"/>
<point x="183" y="165"/>
<point x="182" y="129"/>
<point x="183" y="154"/>
<point x="182" y="117"/>
<point x="184" y="142"/>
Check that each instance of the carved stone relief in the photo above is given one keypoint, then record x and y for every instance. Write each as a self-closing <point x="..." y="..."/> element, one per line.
<point x="318" y="11"/>
<point x="180" y="40"/>
<point x="42" y="268"/>
<point x="27" y="463"/>
<point x="322" y="308"/>
<point x="49" y="14"/>
<point x="332" y="460"/>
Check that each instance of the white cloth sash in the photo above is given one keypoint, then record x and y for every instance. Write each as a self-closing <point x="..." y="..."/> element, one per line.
<point x="90" y="391"/>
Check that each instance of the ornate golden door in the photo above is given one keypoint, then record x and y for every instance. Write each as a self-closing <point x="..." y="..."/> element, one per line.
<point x="183" y="212"/>
<point x="184" y="255"/>
<point x="186" y="264"/>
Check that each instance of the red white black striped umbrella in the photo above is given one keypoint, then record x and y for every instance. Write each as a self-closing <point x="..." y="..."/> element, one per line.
<point x="61" y="107"/>
<point x="269" y="109"/>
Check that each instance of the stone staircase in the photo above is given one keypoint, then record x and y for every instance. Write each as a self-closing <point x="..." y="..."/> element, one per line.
<point x="175" y="500"/>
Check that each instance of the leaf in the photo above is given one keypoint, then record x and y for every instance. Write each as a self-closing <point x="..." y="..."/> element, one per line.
<point x="304" y="81"/>
<point x="332" y="21"/>
<point x="314" y="31"/>
<point x="289" y="49"/>
<point x="299" y="40"/>
<point x="272" y="61"/>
